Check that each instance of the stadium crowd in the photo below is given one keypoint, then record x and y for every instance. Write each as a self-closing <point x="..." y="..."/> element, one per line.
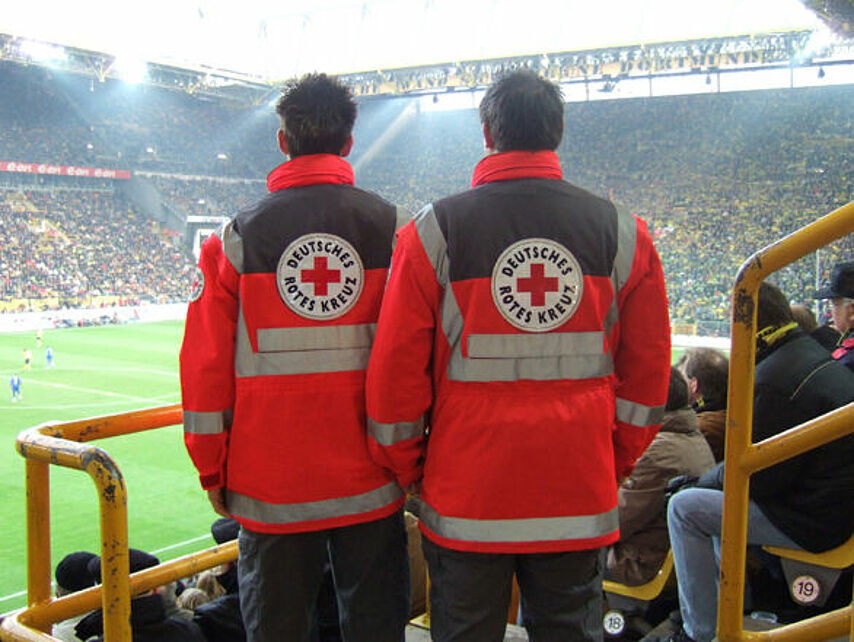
<point x="70" y="246"/>
<point x="717" y="176"/>
<point x="674" y="493"/>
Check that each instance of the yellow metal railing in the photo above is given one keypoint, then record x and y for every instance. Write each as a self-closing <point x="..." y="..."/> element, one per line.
<point x="59" y="444"/>
<point x="744" y="458"/>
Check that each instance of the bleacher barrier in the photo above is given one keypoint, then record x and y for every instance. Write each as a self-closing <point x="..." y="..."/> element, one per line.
<point x="744" y="458"/>
<point x="812" y="576"/>
<point x="614" y="620"/>
<point x="60" y="444"/>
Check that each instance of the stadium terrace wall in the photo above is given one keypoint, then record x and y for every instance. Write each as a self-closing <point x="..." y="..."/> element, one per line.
<point x="31" y="321"/>
<point x="17" y="167"/>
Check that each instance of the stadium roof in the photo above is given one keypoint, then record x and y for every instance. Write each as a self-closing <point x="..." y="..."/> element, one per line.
<point x="282" y="38"/>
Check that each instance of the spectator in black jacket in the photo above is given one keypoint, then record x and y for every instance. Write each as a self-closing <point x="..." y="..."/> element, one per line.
<point x="220" y="619"/>
<point x="798" y="503"/>
<point x="841" y="295"/>
<point x="148" y="619"/>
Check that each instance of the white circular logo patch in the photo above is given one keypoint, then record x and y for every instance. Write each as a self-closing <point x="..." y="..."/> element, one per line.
<point x="320" y="276"/>
<point x="198" y="285"/>
<point x="806" y="589"/>
<point x="537" y="284"/>
<point x="613" y="622"/>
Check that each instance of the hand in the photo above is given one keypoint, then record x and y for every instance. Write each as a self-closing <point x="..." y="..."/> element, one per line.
<point x="675" y="484"/>
<point x="414" y="488"/>
<point x="216" y="496"/>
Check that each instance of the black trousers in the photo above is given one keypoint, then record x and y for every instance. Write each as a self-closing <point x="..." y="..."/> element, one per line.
<point x="280" y="578"/>
<point x="561" y="594"/>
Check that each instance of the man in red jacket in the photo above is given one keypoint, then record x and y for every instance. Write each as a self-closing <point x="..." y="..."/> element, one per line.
<point x="278" y="333"/>
<point x="524" y="334"/>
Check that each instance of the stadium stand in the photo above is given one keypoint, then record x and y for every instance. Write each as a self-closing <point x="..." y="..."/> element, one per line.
<point x="717" y="176"/>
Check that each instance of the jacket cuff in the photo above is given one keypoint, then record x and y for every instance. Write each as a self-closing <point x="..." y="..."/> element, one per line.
<point x="209" y="482"/>
<point x="410" y="478"/>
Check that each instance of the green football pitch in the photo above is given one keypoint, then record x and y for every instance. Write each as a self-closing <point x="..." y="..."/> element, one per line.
<point x="99" y="371"/>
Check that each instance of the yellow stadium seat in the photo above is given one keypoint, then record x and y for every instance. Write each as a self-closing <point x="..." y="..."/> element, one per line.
<point x="645" y="592"/>
<point x="812" y="576"/>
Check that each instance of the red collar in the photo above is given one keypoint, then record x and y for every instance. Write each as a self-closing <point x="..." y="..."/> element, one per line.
<point x="507" y="166"/>
<point x="312" y="169"/>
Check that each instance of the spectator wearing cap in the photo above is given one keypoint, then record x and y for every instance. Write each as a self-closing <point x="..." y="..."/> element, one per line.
<point x="149" y="621"/>
<point x="220" y="619"/>
<point x="72" y="575"/>
<point x="841" y="295"/>
<point x="224" y="530"/>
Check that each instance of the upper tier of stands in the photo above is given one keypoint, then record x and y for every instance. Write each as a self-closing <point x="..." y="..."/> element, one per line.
<point x="717" y="176"/>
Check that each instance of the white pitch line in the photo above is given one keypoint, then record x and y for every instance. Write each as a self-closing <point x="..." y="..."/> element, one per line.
<point x="89" y="390"/>
<point x="12" y="596"/>
<point x="165" y="373"/>
<point x="169" y="398"/>
<point x="180" y="544"/>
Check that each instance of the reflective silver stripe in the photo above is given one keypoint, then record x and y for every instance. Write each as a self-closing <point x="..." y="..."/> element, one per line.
<point x="583" y="366"/>
<point x="232" y="246"/>
<point x="268" y="513"/>
<point x="433" y="242"/>
<point x="402" y="216"/>
<point x="316" y="338"/>
<point x="612" y="316"/>
<point x="638" y="414"/>
<point x="627" y="232"/>
<point x="537" y="529"/>
<point x="389" y="434"/>
<point x="206" y="423"/>
<point x="489" y="346"/>
<point x="540" y="358"/>
<point x="248" y="363"/>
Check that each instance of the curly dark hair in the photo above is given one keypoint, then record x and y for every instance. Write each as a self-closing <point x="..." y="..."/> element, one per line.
<point x="317" y="114"/>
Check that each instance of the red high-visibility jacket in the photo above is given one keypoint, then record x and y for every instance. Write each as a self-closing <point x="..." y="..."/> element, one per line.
<point x="277" y="338"/>
<point x="525" y="330"/>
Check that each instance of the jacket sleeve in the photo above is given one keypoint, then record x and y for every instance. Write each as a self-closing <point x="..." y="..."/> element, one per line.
<point x="641" y="496"/>
<point x="399" y="379"/>
<point x="207" y="362"/>
<point x="642" y="352"/>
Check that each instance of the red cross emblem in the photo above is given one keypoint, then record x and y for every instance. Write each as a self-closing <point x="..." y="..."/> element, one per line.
<point x="537" y="284"/>
<point x="321" y="276"/>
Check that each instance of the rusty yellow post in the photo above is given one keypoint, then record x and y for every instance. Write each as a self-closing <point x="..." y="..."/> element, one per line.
<point x="38" y="532"/>
<point x="738" y="438"/>
<point x="115" y="566"/>
<point x="741" y="456"/>
<point x="57" y="444"/>
<point x="40" y="451"/>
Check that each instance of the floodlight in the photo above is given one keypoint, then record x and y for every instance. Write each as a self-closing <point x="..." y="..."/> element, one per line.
<point x="132" y="70"/>
<point x="42" y="51"/>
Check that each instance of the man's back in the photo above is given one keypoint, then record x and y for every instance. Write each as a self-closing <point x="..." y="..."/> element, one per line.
<point x="525" y="325"/>
<point x="796" y="382"/>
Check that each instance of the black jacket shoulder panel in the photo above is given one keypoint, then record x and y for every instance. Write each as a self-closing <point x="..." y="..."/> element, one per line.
<point x="361" y="218"/>
<point x="479" y="224"/>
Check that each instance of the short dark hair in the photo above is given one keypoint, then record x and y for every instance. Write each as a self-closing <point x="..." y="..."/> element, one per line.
<point x="677" y="391"/>
<point x="772" y="308"/>
<point x="317" y="114"/>
<point x="710" y="368"/>
<point x="523" y="112"/>
<point x="804" y="317"/>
